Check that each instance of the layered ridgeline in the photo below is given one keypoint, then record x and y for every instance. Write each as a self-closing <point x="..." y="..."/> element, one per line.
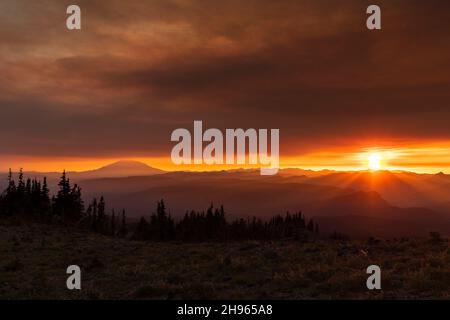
<point x="29" y="201"/>
<point x="360" y="203"/>
<point x="383" y="203"/>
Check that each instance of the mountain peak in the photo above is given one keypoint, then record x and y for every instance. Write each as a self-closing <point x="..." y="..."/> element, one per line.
<point x="124" y="168"/>
<point x="126" y="164"/>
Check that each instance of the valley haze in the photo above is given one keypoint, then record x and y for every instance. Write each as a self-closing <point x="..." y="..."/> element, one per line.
<point x="358" y="203"/>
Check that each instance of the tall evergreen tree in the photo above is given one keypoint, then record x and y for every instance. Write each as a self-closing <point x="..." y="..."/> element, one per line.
<point x="123" y="226"/>
<point x="68" y="204"/>
<point x="113" y="223"/>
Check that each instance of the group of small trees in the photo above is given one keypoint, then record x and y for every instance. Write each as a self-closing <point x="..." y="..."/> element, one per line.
<point x="30" y="199"/>
<point x="201" y="226"/>
<point x="67" y="205"/>
<point x="98" y="221"/>
<point x="160" y="228"/>
<point x="212" y="226"/>
<point x="291" y="226"/>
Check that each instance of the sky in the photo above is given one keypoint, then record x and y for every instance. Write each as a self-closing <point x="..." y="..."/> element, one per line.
<point x="140" y="69"/>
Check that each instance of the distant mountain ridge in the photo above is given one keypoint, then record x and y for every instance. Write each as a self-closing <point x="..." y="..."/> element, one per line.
<point x="334" y="201"/>
<point x="357" y="202"/>
<point x="122" y="168"/>
<point x="118" y="169"/>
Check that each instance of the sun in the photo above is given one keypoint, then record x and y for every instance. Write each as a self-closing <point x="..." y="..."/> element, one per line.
<point x="374" y="161"/>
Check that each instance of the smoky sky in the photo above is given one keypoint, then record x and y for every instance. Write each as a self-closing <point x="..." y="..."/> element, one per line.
<point x="140" y="69"/>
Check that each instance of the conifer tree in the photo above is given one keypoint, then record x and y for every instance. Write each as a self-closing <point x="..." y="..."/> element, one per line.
<point x="11" y="184"/>
<point x="113" y="223"/>
<point x="123" y="226"/>
<point x="21" y="184"/>
<point x="94" y="220"/>
<point x="45" y="200"/>
<point x="68" y="204"/>
<point x="310" y="226"/>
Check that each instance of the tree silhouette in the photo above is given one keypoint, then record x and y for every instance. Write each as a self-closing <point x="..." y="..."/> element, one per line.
<point x="113" y="223"/>
<point x="68" y="204"/>
<point x="123" y="226"/>
<point x="30" y="199"/>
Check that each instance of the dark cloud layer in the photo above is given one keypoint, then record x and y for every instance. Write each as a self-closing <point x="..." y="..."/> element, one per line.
<point x="139" y="69"/>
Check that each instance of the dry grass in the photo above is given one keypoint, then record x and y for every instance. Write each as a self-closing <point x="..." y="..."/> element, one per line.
<point x="34" y="259"/>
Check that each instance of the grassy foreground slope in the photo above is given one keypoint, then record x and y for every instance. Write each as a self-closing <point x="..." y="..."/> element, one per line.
<point x="34" y="258"/>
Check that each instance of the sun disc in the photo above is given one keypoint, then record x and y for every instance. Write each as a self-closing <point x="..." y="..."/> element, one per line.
<point x="374" y="161"/>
